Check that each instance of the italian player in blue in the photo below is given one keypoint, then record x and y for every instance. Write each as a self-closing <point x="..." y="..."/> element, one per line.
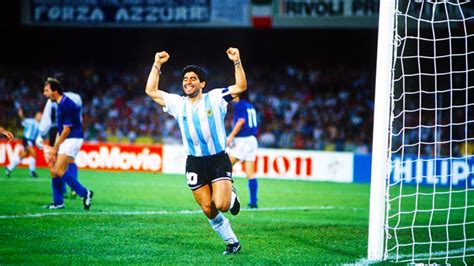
<point x="242" y="142"/>
<point x="30" y="132"/>
<point x="200" y="117"/>
<point x="48" y="125"/>
<point x="67" y="145"/>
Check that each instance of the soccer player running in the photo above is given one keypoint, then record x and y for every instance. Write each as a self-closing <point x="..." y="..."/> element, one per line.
<point x="242" y="142"/>
<point x="200" y="117"/>
<point x="30" y="132"/>
<point x="67" y="145"/>
<point x="48" y="126"/>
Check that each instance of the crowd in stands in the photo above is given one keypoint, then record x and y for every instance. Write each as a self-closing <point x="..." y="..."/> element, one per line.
<point x="299" y="107"/>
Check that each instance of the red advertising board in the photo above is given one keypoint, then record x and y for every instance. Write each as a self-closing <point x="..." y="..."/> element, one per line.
<point x="103" y="156"/>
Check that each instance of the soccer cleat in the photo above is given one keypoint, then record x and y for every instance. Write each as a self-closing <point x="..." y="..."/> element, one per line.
<point x="252" y="206"/>
<point x="87" y="200"/>
<point x="53" y="206"/>
<point x="33" y="174"/>
<point x="8" y="172"/>
<point x="236" y="208"/>
<point x="232" y="248"/>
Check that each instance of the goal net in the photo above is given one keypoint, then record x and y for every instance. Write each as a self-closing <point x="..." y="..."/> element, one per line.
<point x="428" y="157"/>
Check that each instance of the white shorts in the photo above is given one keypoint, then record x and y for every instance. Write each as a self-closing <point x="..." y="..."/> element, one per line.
<point x="244" y="148"/>
<point x="70" y="147"/>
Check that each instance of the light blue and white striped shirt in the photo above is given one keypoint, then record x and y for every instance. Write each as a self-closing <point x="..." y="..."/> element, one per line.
<point x="202" y="123"/>
<point x="30" y="128"/>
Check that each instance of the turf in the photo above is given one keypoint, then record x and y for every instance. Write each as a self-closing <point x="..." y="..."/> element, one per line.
<point x="145" y="218"/>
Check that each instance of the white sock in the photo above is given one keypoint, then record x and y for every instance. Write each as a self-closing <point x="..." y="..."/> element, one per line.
<point x="14" y="161"/>
<point x="221" y="225"/>
<point x="32" y="164"/>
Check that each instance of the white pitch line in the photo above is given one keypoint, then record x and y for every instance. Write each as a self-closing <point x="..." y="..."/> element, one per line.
<point x="184" y="212"/>
<point x="403" y="257"/>
<point x="26" y="180"/>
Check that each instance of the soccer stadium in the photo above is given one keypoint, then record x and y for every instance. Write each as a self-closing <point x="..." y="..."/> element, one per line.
<point x="277" y="132"/>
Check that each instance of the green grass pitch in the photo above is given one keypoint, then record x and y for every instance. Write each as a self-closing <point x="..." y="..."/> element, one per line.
<point x="146" y="218"/>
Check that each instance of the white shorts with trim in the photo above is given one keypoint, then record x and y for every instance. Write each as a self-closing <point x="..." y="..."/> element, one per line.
<point x="70" y="147"/>
<point x="244" y="148"/>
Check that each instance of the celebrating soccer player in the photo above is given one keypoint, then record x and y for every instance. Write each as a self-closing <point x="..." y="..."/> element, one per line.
<point x="200" y="117"/>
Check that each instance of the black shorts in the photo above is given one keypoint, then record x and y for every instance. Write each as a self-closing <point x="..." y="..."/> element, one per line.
<point x="28" y="142"/>
<point x="206" y="170"/>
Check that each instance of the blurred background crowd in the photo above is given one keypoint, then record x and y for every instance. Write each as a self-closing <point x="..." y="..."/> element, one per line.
<point x="299" y="106"/>
<point x="312" y="87"/>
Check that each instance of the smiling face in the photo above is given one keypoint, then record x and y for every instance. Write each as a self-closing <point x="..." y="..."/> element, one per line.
<point x="192" y="86"/>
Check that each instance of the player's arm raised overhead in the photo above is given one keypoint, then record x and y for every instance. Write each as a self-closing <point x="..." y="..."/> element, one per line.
<point x="240" y="79"/>
<point x="151" y="88"/>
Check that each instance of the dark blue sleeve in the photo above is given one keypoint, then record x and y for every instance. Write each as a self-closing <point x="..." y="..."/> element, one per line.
<point x="68" y="112"/>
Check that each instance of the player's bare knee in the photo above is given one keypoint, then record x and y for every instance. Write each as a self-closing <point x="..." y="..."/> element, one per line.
<point x="223" y="206"/>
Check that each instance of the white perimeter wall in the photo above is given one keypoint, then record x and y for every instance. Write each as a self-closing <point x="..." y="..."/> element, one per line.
<point x="281" y="164"/>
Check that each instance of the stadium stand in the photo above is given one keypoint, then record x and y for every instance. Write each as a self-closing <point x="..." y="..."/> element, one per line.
<point x="300" y="107"/>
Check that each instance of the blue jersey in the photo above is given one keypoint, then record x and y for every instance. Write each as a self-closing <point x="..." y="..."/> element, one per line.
<point x="244" y="110"/>
<point x="31" y="128"/>
<point x="69" y="114"/>
<point x="50" y="112"/>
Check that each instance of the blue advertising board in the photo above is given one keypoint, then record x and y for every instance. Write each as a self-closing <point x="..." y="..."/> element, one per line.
<point x="421" y="170"/>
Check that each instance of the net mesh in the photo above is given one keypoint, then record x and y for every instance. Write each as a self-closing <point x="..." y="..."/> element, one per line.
<point x="430" y="191"/>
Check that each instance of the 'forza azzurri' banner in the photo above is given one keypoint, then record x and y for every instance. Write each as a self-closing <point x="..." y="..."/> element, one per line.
<point x="120" y="13"/>
<point x="429" y="171"/>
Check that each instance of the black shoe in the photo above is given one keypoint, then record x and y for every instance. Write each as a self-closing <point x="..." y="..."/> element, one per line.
<point x="236" y="208"/>
<point x="252" y="206"/>
<point x="53" y="206"/>
<point x="87" y="200"/>
<point x="232" y="248"/>
<point x="33" y="174"/>
<point x="8" y="172"/>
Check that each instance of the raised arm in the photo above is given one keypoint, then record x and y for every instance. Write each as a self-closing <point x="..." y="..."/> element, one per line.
<point x="151" y="88"/>
<point x="240" y="79"/>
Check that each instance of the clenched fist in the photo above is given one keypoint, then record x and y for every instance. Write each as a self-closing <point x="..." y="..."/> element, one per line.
<point x="161" y="57"/>
<point x="233" y="54"/>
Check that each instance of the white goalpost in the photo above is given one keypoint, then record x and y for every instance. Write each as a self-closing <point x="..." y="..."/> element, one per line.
<point x="422" y="184"/>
